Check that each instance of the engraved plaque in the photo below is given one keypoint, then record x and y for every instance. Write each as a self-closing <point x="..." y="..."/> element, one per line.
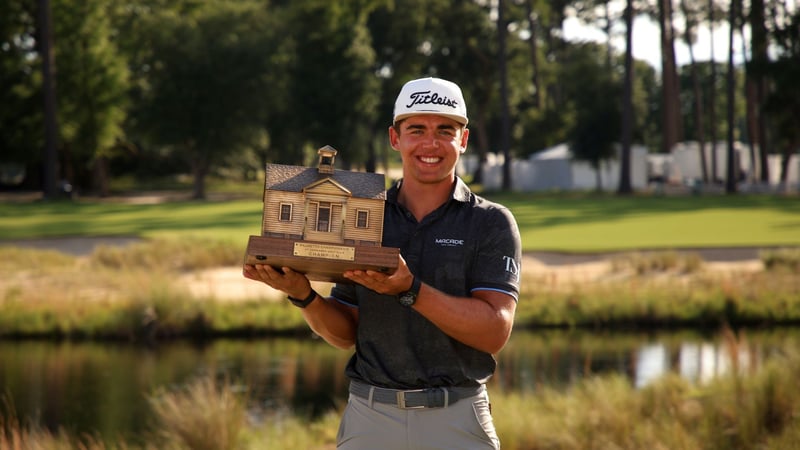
<point x="324" y="251"/>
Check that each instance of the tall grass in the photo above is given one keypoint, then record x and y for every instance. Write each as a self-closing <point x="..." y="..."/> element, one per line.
<point x="131" y="293"/>
<point x="758" y="409"/>
<point x="662" y="289"/>
<point x="786" y="259"/>
<point x="168" y="254"/>
<point x="127" y="292"/>
<point x="735" y="412"/>
<point x="15" y="435"/>
<point x="203" y="416"/>
<point x="655" y="262"/>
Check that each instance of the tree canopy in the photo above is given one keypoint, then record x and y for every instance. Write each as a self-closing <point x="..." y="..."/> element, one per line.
<point x="145" y="86"/>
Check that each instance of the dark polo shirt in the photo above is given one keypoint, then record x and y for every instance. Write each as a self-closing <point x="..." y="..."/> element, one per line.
<point x="467" y="244"/>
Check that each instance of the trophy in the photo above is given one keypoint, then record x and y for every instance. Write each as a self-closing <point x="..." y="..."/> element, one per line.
<point x="322" y="221"/>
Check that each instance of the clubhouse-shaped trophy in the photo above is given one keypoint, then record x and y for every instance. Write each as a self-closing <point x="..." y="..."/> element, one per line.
<point x="322" y="221"/>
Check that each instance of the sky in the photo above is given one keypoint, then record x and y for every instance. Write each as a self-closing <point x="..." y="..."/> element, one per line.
<point x="646" y="44"/>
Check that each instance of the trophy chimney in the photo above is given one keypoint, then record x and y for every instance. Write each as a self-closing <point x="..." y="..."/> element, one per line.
<point x="327" y="156"/>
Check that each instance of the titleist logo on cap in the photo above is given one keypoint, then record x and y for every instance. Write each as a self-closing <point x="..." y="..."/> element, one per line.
<point x="426" y="98"/>
<point x="431" y="96"/>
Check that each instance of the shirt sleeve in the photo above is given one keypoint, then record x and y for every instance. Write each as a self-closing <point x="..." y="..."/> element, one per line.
<point x="345" y="294"/>
<point x="497" y="262"/>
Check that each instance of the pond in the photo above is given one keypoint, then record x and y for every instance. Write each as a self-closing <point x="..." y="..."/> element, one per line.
<point x="104" y="387"/>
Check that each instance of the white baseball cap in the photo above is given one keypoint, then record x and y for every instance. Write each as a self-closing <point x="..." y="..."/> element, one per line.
<point x="431" y="96"/>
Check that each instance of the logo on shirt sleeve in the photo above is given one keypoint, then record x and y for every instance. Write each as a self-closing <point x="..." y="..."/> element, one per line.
<point x="512" y="266"/>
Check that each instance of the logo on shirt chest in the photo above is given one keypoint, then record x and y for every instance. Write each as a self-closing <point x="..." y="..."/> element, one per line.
<point x="449" y="242"/>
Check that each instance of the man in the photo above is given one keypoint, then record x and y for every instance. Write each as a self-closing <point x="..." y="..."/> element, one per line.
<point x="424" y="335"/>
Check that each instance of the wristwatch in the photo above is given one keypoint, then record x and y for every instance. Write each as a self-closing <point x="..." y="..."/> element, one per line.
<point x="302" y="303"/>
<point x="409" y="297"/>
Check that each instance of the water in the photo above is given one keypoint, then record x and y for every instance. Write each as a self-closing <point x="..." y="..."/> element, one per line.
<point x="104" y="388"/>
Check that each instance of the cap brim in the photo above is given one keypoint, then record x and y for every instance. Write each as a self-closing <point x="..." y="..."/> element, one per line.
<point x="460" y="119"/>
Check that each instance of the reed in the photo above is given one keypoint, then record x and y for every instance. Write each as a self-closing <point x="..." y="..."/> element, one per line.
<point x="17" y="436"/>
<point x="745" y="409"/>
<point x="782" y="259"/>
<point x="131" y="293"/>
<point x="657" y="262"/>
<point x="169" y="254"/>
<point x="678" y="294"/>
<point x="203" y="416"/>
<point x="736" y="411"/>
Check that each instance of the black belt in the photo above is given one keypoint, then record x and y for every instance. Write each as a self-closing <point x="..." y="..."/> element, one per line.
<point x="414" y="398"/>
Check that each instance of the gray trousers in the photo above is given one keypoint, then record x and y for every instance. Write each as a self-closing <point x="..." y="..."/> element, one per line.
<point x="466" y="424"/>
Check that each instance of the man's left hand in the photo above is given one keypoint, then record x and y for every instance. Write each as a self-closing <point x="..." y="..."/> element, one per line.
<point x="396" y="283"/>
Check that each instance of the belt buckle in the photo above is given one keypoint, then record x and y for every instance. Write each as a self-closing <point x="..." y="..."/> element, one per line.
<point x="401" y="399"/>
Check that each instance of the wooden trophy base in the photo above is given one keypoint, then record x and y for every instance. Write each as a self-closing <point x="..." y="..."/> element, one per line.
<point x="320" y="261"/>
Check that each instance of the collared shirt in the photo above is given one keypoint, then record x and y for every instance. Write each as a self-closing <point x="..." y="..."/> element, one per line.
<point x="467" y="244"/>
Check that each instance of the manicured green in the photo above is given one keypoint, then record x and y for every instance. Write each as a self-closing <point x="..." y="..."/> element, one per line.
<point x="220" y="220"/>
<point x="578" y="223"/>
<point x="565" y="222"/>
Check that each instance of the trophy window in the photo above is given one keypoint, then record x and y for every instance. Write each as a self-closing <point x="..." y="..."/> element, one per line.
<point x="362" y="218"/>
<point x="286" y="212"/>
<point x="324" y="217"/>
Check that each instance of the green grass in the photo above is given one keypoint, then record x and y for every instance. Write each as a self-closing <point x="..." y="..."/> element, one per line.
<point x="589" y="223"/>
<point x="220" y="220"/>
<point x="567" y="222"/>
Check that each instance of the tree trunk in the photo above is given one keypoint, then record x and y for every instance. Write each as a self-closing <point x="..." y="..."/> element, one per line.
<point x="627" y="106"/>
<point x="607" y="30"/>
<point x="372" y="157"/>
<point x="730" y="173"/>
<point x="751" y="118"/>
<point x="760" y="57"/>
<point x="700" y="134"/>
<point x="199" y="172"/>
<point x="101" y="178"/>
<point x="505" y="120"/>
<point x="534" y="46"/>
<point x="200" y="166"/>
<point x="712" y="94"/>
<point x="670" y="91"/>
<point x="483" y="145"/>
<point x="50" y="157"/>
<point x="598" y="178"/>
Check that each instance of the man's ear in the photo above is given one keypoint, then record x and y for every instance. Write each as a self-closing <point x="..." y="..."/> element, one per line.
<point x="393" y="137"/>
<point x="464" y="139"/>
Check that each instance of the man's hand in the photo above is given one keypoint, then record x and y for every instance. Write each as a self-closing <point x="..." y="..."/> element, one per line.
<point x="396" y="283"/>
<point x="292" y="283"/>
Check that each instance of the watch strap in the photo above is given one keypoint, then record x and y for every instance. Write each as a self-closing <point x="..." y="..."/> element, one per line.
<point x="302" y="303"/>
<point x="416" y="283"/>
<point x="409" y="297"/>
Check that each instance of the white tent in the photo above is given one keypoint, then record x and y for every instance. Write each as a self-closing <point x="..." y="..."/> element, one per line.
<point x="686" y="163"/>
<point x="555" y="169"/>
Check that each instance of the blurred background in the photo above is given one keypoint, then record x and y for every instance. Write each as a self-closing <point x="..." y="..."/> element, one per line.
<point x="599" y="94"/>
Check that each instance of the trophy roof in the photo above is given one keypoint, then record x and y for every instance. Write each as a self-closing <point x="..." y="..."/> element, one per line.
<point x="287" y="178"/>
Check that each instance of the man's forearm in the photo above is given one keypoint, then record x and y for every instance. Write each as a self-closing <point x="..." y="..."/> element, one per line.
<point x="332" y="322"/>
<point x="483" y="322"/>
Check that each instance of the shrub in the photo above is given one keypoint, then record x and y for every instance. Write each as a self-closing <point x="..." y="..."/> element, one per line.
<point x="655" y="262"/>
<point x="781" y="259"/>
<point x="203" y="416"/>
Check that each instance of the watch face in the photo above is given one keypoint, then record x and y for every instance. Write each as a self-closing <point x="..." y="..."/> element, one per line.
<point x="407" y="298"/>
